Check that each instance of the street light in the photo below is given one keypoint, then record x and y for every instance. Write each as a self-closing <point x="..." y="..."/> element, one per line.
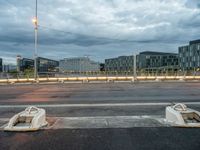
<point x="134" y="67"/>
<point x="35" y="22"/>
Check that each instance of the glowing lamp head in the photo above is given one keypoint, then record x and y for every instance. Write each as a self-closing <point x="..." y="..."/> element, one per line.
<point x="34" y="20"/>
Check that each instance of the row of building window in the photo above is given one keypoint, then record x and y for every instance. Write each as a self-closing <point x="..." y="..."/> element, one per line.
<point x="188" y="57"/>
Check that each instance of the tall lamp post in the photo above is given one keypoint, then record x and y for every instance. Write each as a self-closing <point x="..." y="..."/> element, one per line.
<point x="35" y="21"/>
<point x="134" y="67"/>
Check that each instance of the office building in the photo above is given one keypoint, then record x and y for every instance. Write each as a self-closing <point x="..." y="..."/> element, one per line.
<point x="1" y="65"/>
<point x="102" y="67"/>
<point x="47" y="65"/>
<point x="43" y="64"/>
<point x="189" y="56"/>
<point x="122" y="63"/>
<point x="24" y="63"/>
<point x="157" y="61"/>
<point x="78" y="64"/>
<point x="145" y="61"/>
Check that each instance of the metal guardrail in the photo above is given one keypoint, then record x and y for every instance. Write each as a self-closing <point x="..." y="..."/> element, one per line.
<point x="101" y="78"/>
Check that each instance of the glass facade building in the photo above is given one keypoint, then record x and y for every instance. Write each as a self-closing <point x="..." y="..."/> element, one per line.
<point x="189" y="56"/>
<point x="43" y="64"/>
<point x="157" y="61"/>
<point x="122" y="63"/>
<point x="102" y="67"/>
<point x="24" y="64"/>
<point x="47" y="65"/>
<point x="1" y="65"/>
<point x="144" y="61"/>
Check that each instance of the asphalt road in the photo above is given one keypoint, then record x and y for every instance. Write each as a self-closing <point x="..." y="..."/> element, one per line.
<point x="107" y="93"/>
<point x="134" y="99"/>
<point x="104" y="139"/>
<point x="99" y="93"/>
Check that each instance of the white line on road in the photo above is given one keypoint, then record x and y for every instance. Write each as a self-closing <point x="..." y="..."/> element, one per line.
<point x="102" y="122"/>
<point x="96" y="105"/>
<point x="109" y="122"/>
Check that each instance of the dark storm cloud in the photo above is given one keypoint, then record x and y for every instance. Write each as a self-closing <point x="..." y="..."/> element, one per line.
<point x="102" y="28"/>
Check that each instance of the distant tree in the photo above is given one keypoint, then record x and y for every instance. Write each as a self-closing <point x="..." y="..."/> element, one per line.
<point x="29" y="72"/>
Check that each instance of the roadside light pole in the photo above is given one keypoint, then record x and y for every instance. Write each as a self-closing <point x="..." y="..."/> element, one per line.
<point x="35" y="21"/>
<point x="134" y="67"/>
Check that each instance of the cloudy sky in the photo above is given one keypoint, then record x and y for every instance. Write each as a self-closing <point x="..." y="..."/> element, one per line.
<point x="98" y="28"/>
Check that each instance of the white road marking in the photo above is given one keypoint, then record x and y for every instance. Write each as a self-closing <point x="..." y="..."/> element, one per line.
<point x="95" y="105"/>
<point x="103" y="122"/>
<point x="108" y="122"/>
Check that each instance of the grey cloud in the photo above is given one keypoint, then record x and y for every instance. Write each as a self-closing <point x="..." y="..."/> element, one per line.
<point x="102" y="28"/>
<point x="193" y="3"/>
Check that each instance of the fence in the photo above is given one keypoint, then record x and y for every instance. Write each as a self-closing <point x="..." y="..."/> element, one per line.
<point x="94" y="76"/>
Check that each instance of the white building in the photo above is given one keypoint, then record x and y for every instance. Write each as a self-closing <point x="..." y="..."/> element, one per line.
<point x="79" y="64"/>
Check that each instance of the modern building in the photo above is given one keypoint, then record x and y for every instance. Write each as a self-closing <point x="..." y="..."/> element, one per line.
<point x="147" y="61"/>
<point x="24" y="64"/>
<point x="43" y="64"/>
<point x="1" y="65"/>
<point x="122" y="63"/>
<point x="47" y="65"/>
<point x="189" y="56"/>
<point x="78" y="64"/>
<point x="102" y="67"/>
<point x="157" y="61"/>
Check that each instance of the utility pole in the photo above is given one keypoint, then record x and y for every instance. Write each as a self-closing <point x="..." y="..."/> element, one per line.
<point x="35" y="21"/>
<point x="134" y="67"/>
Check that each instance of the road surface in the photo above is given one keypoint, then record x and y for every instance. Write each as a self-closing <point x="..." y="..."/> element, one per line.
<point x="108" y="116"/>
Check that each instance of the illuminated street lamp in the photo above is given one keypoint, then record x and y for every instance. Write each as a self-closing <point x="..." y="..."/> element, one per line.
<point x="35" y="22"/>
